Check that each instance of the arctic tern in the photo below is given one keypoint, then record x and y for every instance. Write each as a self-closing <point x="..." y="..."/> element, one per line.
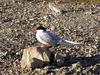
<point x="47" y="38"/>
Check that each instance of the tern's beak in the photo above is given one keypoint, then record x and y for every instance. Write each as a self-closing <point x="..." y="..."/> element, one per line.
<point x="34" y="29"/>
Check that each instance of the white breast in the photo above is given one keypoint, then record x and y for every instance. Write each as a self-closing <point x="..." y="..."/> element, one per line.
<point x="38" y="34"/>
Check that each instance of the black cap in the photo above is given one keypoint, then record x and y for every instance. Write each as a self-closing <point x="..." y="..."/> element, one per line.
<point x="41" y="28"/>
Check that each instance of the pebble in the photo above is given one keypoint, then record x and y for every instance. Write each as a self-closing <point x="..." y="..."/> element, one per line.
<point x="48" y="17"/>
<point x="54" y="8"/>
<point x="52" y="28"/>
<point x="88" y="12"/>
<point x="7" y="20"/>
<point x="2" y="54"/>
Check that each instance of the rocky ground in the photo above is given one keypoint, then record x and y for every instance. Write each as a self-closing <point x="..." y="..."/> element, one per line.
<point x="78" y="21"/>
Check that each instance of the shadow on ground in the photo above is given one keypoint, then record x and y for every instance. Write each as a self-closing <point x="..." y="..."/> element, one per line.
<point x="84" y="61"/>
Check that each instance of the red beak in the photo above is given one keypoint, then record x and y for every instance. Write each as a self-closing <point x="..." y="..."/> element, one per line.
<point x="34" y="29"/>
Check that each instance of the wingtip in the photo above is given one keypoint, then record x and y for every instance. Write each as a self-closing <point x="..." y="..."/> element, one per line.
<point x="75" y="43"/>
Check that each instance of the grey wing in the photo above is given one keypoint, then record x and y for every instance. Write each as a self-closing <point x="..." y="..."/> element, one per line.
<point x="55" y="38"/>
<point x="48" y="38"/>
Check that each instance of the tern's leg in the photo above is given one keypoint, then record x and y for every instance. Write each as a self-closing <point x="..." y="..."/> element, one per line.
<point x="43" y="45"/>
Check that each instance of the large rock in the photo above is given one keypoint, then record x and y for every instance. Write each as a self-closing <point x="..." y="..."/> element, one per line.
<point x="34" y="57"/>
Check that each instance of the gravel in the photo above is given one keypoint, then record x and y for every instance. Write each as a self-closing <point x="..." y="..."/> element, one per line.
<point x="80" y="22"/>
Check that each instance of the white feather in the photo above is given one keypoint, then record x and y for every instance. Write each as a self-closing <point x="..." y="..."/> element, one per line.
<point x="71" y="42"/>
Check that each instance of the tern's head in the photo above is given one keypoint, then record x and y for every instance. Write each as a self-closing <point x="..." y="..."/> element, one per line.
<point x="41" y="28"/>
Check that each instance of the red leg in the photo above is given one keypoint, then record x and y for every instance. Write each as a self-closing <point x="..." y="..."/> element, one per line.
<point x="43" y="45"/>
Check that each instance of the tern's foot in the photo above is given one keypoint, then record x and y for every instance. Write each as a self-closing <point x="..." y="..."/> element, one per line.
<point x="45" y="46"/>
<point x="42" y="45"/>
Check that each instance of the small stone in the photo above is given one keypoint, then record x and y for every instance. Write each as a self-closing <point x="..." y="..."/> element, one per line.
<point x="49" y="17"/>
<point x="76" y="67"/>
<point x="88" y="13"/>
<point x="52" y="28"/>
<point x="59" y="59"/>
<point x="89" y="68"/>
<point x="31" y="19"/>
<point x="7" y="20"/>
<point x="88" y="55"/>
<point x="96" y="69"/>
<point x="54" y="8"/>
<point x="2" y="54"/>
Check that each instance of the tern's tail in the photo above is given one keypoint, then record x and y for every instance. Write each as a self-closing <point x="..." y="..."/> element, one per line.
<point x="66" y="42"/>
<point x="71" y="42"/>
